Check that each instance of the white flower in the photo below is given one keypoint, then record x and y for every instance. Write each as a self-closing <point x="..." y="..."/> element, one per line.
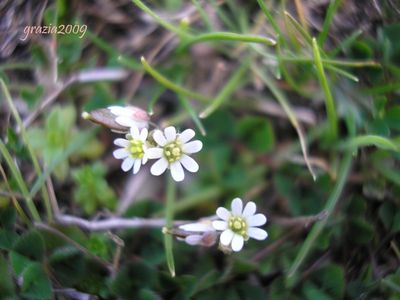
<point x="133" y="150"/>
<point x="201" y="233"/>
<point x="173" y="152"/>
<point x="239" y="224"/>
<point x="130" y="116"/>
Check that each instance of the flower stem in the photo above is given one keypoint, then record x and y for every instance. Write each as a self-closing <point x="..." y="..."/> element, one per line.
<point x="169" y="216"/>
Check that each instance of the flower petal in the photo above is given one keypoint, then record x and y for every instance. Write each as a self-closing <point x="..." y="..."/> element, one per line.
<point x="135" y="132"/>
<point x="127" y="164"/>
<point x="256" y="220"/>
<point x="177" y="171"/>
<point x="257" y="233"/>
<point x="237" y="242"/>
<point x="192" y="147"/>
<point x="143" y="134"/>
<point x="159" y="167"/>
<point x="237" y="206"/>
<point x="121" y="142"/>
<point x="125" y="121"/>
<point x="153" y="153"/>
<point x="196" y="227"/>
<point x="249" y="209"/>
<point x="158" y="136"/>
<point x="220" y="225"/>
<point x="223" y="213"/>
<point x="137" y="165"/>
<point x="226" y="237"/>
<point x="118" y="110"/>
<point x="189" y="163"/>
<point x="186" y="135"/>
<point x="193" y="239"/>
<point x="170" y="133"/>
<point x="120" y="153"/>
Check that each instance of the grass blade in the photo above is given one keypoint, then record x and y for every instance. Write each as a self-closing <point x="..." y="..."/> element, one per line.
<point x="227" y="90"/>
<point x="329" y="103"/>
<point x="290" y="113"/>
<point x="229" y="36"/>
<point x="270" y="18"/>
<point x="171" y="85"/>
<point x="34" y="159"/>
<point x="20" y="181"/>
<point x="333" y="6"/>
<point x="367" y="140"/>
<point x="329" y="207"/>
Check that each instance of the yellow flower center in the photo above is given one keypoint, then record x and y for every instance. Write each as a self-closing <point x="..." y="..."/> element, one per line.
<point x="238" y="225"/>
<point x="135" y="148"/>
<point x="173" y="151"/>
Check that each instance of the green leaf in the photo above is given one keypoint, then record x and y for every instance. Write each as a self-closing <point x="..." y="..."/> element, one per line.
<point x="330" y="279"/>
<point x="257" y="133"/>
<point x="31" y="245"/>
<point x="7" y="217"/>
<point x="36" y="284"/>
<point x="68" y="265"/>
<point x="361" y="231"/>
<point x="19" y="262"/>
<point x="7" y="239"/>
<point x="92" y="190"/>
<point x="7" y="289"/>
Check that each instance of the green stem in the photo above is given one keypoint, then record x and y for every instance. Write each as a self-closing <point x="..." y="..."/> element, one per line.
<point x="169" y="218"/>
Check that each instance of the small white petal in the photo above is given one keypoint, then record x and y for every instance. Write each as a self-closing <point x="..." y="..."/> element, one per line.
<point x="189" y="163"/>
<point x="135" y="133"/>
<point x="237" y="206"/>
<point x="193" y="239"/>
<point x="158" y="136"/>
<point x="196" y="227"/>
<point x="120" y="153"/>
<point x="170" y="133"/>
<point x="177" y="171"/>
<point x="223" y="213"/>
<point x="127" y="164"/>
<point x="237" y="243"/>
<point x="118" y="110"/>
<point x="121" y="142"/>
<point x="192" y="147"/>
<point x="257" y="233"/>
<point x="186" y="135"/>
<point x="226" y="237"/>
<point x="143" y="134"/>
<point x="125" y="121"/>
<point x="136" y="167"/>
<point x="256" y="220"/>
<point x="220" y="225"/>
<point x="159" y="167"/>
<point x="153" y="153"/>
<point x="249" y="209"/>
<point x="144" y="159"/>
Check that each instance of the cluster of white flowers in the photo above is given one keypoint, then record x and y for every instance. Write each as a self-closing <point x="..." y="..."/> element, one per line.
<point x="171" y="149"/>
<point x="236" y="227"/>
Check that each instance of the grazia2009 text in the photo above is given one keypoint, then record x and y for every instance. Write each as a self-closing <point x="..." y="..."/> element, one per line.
<point x="61" y="29"/>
